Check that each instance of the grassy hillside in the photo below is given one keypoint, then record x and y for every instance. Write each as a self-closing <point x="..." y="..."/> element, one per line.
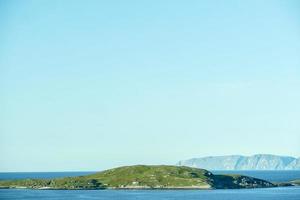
<point x="154" y="176"/>
<point x="59" y="183"/>
<point x="143" y="177"/>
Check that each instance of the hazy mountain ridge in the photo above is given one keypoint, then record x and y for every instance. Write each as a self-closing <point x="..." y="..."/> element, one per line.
<point x="239" y="162"/>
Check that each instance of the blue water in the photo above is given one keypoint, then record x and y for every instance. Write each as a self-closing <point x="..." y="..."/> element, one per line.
<point x="280" y="193"/>
<point x="288" y="193"/>
<point x="269" y="175"/>
<point x="42" y="175"/>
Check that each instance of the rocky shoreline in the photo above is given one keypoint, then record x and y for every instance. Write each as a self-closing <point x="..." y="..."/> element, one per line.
<point x="143" y="177"/>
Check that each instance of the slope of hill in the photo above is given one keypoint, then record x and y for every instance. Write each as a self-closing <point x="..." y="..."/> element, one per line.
<point x="143" y="177"/>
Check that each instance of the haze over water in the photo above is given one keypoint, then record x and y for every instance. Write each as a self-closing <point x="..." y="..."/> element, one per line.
<point x="87" y="86"/>
<point x="91" y="85"/>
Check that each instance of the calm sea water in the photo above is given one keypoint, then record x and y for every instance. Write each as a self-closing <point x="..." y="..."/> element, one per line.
<point x="288" y="193"/>
<point x="269" y="175"/>
<point x="281" y="193"/>
<point x="43" y="175"/>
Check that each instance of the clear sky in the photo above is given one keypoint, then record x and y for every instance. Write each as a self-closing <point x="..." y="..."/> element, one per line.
<point x="89" y="85"/>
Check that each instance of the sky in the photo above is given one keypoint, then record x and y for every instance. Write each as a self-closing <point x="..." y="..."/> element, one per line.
<point x="90" y="85"/>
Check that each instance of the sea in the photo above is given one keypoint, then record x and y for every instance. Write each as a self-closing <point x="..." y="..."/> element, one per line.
<point x="278" y="193"/>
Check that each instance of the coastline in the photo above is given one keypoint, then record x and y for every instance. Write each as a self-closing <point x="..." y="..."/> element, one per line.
<point x="143" y="177"/>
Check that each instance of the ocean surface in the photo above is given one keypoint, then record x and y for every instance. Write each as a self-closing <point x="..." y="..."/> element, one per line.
<point x="280" y="193"/>
<point x="269" y="175"/>
<point x="42" y="175"/>
<point x="288" y="193"/>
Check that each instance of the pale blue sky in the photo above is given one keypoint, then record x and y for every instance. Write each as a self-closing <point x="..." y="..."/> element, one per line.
<point x="89" y="85"/>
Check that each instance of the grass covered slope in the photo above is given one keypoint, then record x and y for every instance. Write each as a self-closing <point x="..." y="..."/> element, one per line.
<point x="67" y="183"/>
<point x="144" y="177"/>
<point x="154" y="177"/>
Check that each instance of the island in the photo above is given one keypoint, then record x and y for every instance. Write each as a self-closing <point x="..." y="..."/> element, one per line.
<point x="295" y="182"/>
<point x="239" y="162"/>
<point x="143" y="177"/>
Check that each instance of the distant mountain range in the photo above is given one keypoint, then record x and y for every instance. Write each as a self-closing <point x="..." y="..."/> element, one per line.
<point x="238" y="162"/>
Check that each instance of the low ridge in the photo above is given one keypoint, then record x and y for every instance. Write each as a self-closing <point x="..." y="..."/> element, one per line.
<point x="144" y="177"/>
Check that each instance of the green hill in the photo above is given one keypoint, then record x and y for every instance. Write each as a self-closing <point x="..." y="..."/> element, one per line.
<point x="143" y="177"/>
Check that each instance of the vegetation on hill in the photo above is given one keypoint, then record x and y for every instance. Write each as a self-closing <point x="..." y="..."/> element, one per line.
<point x="143" y="177"/>
<point x="80" y="182"/>
<point x="154" y="177"/>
